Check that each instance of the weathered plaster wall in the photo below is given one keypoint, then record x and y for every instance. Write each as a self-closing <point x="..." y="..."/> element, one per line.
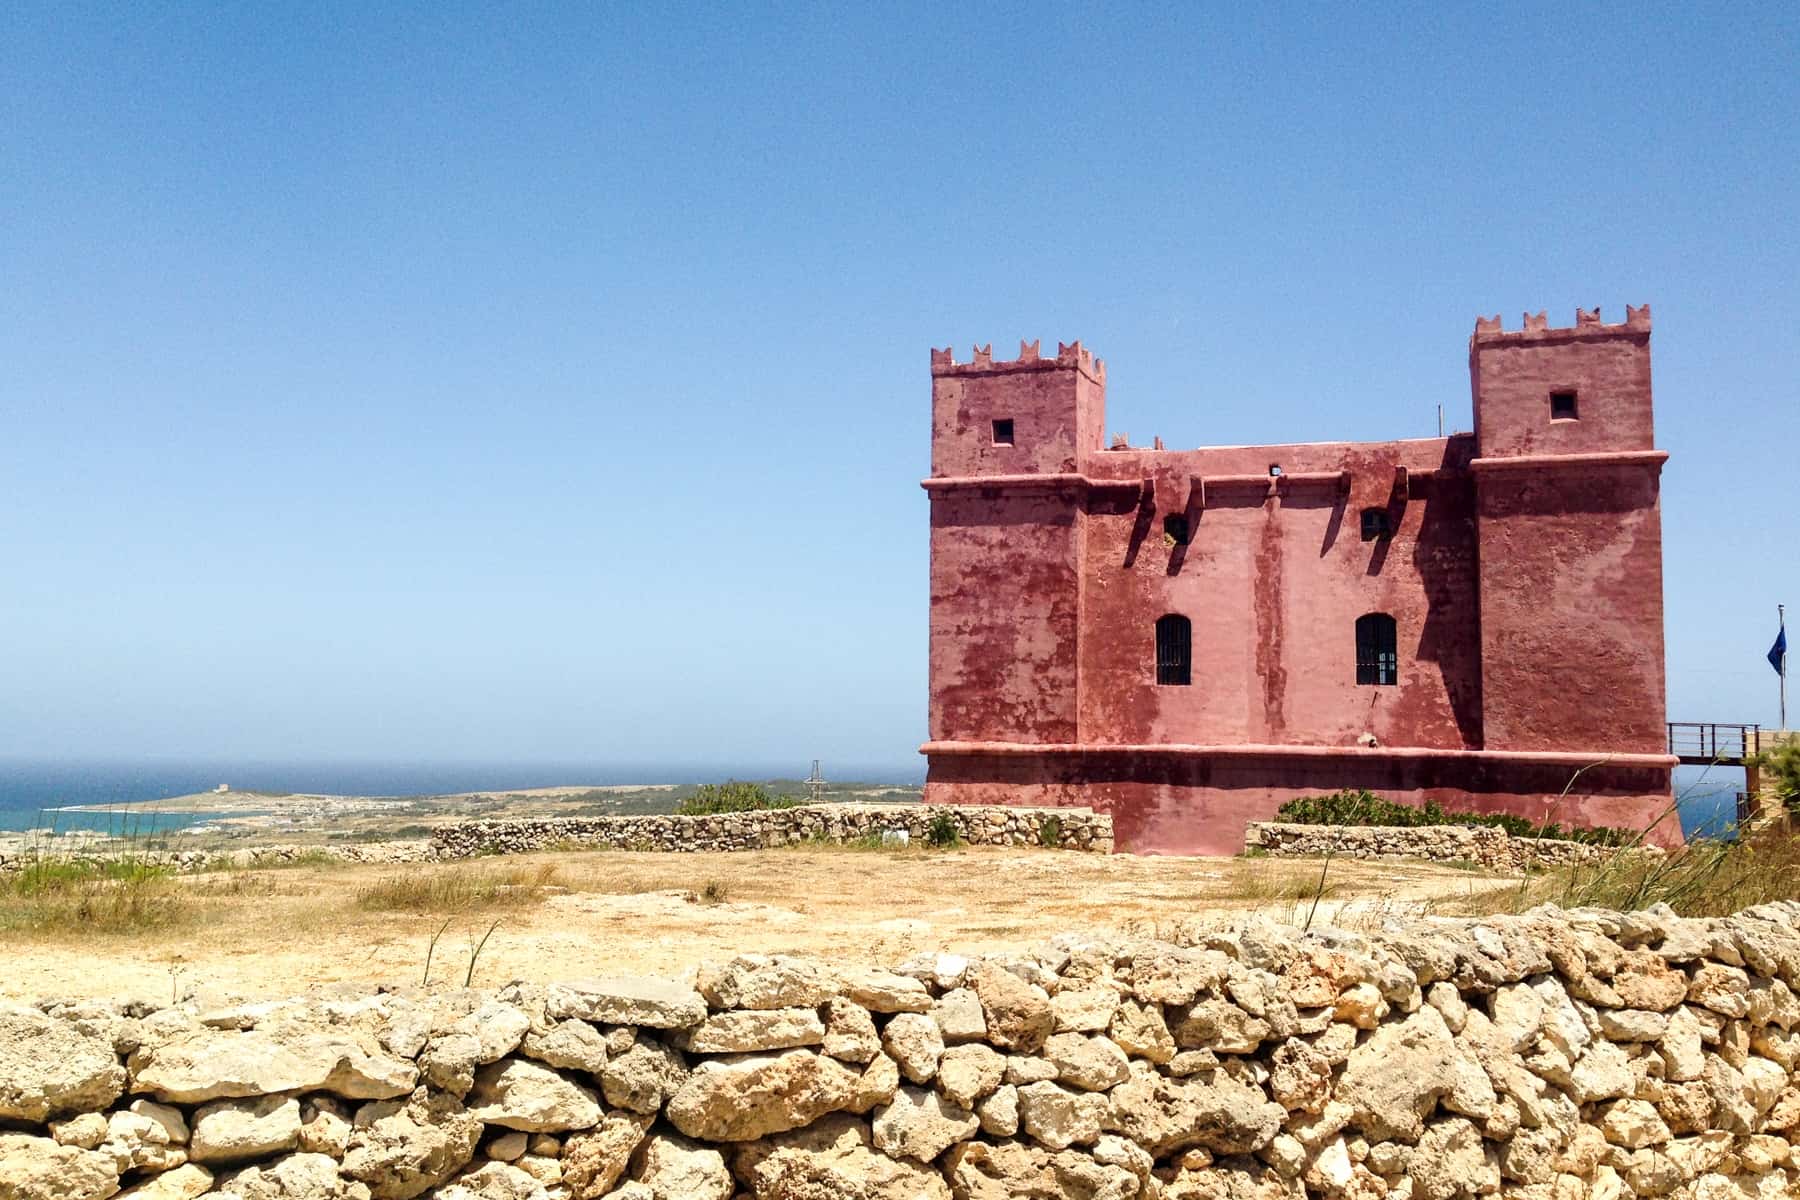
<point x="1523" y="573"/>
<point x="1552" y="1056"/>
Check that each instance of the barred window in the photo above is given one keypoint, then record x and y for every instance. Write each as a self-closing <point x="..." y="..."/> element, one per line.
<point x="1174" y="640"/>
<point x="1377" y="649"/>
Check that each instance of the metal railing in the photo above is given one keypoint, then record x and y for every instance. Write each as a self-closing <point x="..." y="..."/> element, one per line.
<point x="1711" y="742"/>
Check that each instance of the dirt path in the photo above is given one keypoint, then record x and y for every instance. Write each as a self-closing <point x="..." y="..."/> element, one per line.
<point x="262" y="933"/>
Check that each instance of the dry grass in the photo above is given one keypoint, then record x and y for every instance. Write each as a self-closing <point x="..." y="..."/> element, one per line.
<point x="72" y="898"/>
<point x="458" y="887"/>
<point x="1274" y="881"/>
<point x="1703" y="879"/>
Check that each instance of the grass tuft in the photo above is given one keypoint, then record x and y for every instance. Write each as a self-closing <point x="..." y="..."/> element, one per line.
<point x="61" y="896"/>
<point x="458" y="888"/>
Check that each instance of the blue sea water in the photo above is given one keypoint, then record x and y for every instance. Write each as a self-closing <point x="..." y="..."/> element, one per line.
<point x="32" y="793"/>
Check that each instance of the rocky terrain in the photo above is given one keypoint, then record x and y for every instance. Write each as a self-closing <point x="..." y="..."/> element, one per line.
<point x="1552" y="1055"/>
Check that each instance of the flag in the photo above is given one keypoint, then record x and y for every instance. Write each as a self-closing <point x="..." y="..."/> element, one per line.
<point x="1778" y="653"/>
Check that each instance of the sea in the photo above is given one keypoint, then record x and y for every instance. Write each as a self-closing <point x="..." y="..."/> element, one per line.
<point x="36" y="795"/>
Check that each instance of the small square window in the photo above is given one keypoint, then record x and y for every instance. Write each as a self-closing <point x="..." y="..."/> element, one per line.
<point x="1375" y="524"/>
<point x="1175" y="529"/>
<point x="1562" y="406"/>
<point x="1003" y="435"/>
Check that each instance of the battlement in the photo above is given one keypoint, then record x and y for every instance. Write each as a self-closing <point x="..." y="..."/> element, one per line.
<point x="1072" y="355"/>
<point x="1537" y="328"/>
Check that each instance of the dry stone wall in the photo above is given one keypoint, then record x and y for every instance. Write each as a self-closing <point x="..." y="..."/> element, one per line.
<point x="1075" y="828"/>
<point x="1485" y="846"/>
<point x="1551" y="1056"/>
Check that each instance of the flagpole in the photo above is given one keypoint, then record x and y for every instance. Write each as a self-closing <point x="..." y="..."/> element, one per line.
<point x="1781" y="612"/>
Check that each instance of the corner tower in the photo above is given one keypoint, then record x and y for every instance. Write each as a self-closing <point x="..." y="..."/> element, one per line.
<point x="1008" y="443"/>
<point x="1569" y="529"/>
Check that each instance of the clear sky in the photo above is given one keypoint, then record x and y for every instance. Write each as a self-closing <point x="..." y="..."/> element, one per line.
<point x="537" y="383"/>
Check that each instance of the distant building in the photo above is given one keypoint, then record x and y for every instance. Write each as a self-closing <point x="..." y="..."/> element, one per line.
<point x="1188" y="638"/>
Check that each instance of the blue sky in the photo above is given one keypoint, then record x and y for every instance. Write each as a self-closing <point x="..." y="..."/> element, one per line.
<point x="551" y="383"/>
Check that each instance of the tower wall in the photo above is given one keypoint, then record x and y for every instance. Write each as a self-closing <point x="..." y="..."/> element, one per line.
<point x="1570" y="537"/>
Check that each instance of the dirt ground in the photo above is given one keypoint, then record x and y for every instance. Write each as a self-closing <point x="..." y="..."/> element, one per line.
<point x="568" y="915"/>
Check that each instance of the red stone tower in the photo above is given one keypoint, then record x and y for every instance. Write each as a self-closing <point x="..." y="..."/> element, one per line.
<point x="1566" y="483"/>
<point x="1186" y="638"/>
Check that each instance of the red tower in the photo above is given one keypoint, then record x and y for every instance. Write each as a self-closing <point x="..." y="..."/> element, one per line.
<point x="1187" y="638"/>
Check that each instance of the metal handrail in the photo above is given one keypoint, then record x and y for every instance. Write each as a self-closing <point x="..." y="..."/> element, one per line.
<point x="1714" y="741"/>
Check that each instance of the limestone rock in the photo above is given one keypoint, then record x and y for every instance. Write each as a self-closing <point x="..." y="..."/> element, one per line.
<point x="324" y="1127"/>
<point x="1017" y="1013"/>
<point x="1395" y="1078"/>
<point x="967" y="1073"/>
<point x="36" y="1168"/>
<point x="1085" y="1009"/>
<point x="674" y="1168"/>
<point x="1452" y="1162"/>
<point x="520" y="1094"/>
<point x="1020" y="1171"/>
<point x="959" y="1016"/>
<point x="401" y="1147"/>
<point x="644" y="1077"/>
<point x="1140" y="1030"/>
<point x="749" y="1031"/>
<point x="921" y="1125"/>
<point x="509" y="1146"/>
<point x="1643" y="980"/>
<point x="1218" y="1025"/>
<point x="1633" y="1124"/>
<point x="1177" y="977"/>
<point x="850" y="1033"/>
<point x="179" y="1183"/>
<point x="1213" y="1110"/>
<point x="884" y="991"/>
<point x="999" y="1113"/>
<point x="832" y="1160"/>
<point x="1060" y="1118"/>
<point x="218" y="1064"/>
<point x="49" y="1067"/>
<point x="234" y="1130"/>
<point x="916" y="1043"/>
<point x="1090" y="1063"/>
<point x="493" y="1181"/>
<point x="569" y="1045"/>
<point x="497" y="1029"/>
<point x="749" y="1096"/>
<point x="449" y="1061"/>
<point x="627" y="1000"/>
<point x="761" y="981"/>
<point x="292" y="1177"/>
<point x="1299" y="1077"/>
<point x="593" y="1161"/>
<point x="85" y="1132"/>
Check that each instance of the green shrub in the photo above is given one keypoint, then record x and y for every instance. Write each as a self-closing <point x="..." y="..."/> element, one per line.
<point x="942" y="831"/>
<point x="1363" y="807"/>
<point x="1050" y="831"/>
<point x="732" y="797"/>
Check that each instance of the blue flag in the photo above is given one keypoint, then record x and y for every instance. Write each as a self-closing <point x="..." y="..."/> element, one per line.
<point x="1778" y="653"/>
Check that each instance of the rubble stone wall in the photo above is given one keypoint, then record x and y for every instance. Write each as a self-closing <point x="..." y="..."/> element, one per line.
<point x="1075" y="828"/>
<point x="1485" y="846"/>
<point x="1554" y="1055"/>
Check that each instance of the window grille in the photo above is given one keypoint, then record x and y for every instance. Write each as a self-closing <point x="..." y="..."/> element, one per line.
<point x="1377" y="650"/>
<point x="1174" y="641"/>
